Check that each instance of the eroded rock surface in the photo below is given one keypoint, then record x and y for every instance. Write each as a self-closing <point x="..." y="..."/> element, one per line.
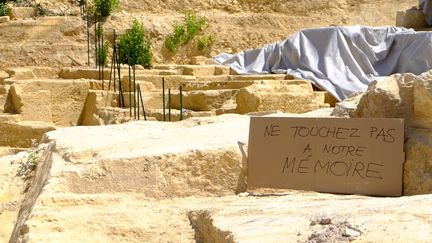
<point x="167" y="182"/>
<point x="406" y="96"/>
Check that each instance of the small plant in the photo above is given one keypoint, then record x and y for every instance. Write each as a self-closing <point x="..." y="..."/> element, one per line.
<point x="205" y="42"/>
<point x="135" y="46"/>
<point x="193" y="25"/>
<point x="105" y="7"/>
<point x="3" y="8"/>
<point x="103" y="54"/>
<point x="175" y="39"/>
<point x="185" y="32"/>
<point x="28" y="166"/>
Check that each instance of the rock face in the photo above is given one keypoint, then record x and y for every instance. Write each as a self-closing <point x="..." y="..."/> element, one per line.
<point x="406" y="96"/>
<point x="17" y="133"/>
<point x="175" y="182"/>
<point x="56" y="101"/>
<point x="411" y="18"/>
<point x="291" y="96"/>
<point x="313" y="217"/>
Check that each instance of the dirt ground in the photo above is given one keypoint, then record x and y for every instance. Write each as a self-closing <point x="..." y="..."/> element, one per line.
<point x="236" y="25"/>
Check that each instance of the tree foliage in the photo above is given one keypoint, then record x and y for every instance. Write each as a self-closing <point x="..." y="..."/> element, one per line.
<point x="135" y="46"/>
<point x="105" y="7"/>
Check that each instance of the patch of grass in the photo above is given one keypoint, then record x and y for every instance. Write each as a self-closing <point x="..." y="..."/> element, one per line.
<point x="135" y="46"/>
<point x="193" y="25"/>
<point x="28" y="166"/>
<point x="205" y="42"/>
<point x="185" y="32"/>
<point x="175" y="39"/>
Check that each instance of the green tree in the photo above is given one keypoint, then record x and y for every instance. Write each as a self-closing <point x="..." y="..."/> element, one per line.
<point x="135" y="46"/>
<point x="105" y="7"/>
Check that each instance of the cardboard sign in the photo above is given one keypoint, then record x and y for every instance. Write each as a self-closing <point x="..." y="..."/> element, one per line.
<point x="337" y="155"/>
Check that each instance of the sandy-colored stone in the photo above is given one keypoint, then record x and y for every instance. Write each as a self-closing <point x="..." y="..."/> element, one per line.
<point x="96" y="102"/>
<point x="66" y="99"/>
<point x="22" y="12"/>
<point x="315" y="218"/>
<point x="21" y="73"/>
<point x="11" y="192"/>
<point x="173" y="81"/>
<point x="21" y="133"/>
<point x="258" y="77"/>
<point x="139" y="174"/>
<point x="215" y="84"/>
<point x="288" y="96"/>
<point x="199" y="70"/>
<point x="33" y="106"/>
<point x="405" y="96"/>
<point x="347" y="107"/>
<point x="411" y="18"/>
<point x="157" y="114"/>
<point x="202" y="60"/>
<point x="77" y="73"/>
<point x="204" y="100"/>
<point x="4" y="19"/>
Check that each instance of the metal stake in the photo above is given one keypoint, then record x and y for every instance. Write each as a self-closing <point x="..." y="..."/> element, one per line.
<point x="142" y="103"/>
<point x="181" y="103"/>
<point x="169" y="104"/>
<point x="163" y="98"/>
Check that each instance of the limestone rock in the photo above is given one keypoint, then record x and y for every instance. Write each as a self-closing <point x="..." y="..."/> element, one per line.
<point x="22" y="12"/>
<point x="21" y="133"/>
<point x="11" y="192"/>
<point x="205" y="100"/>
<point x="63" y="98"/>
<point x="347" y="107"/>
<point x="3" y="75"/>
<point x="173" y="81"/>
<point x="94" y="112"/>
<point x="78" y="73"/>
<point x="201" y="60"/>
<point x="21" y="73"/>
<point x="116" y="162"/>
<point x="4" y="19"/>
<point x="34" y="106"/>
<point x="313" y="217"/>
<point x="388" y="97"/>
<point x="287" y="96"/>
<point x="411" y="18"/>
<point x="406" y="96"/>
<point x="199" y="70"/>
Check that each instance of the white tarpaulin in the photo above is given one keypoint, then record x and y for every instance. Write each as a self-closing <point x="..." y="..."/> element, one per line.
<point x="341" y="60"/>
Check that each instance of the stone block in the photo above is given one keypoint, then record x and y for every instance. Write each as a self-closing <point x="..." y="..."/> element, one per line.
<point x="21" y="73"/>
<point x="203" y="100"/>
<point x="289" y="96"/>
<point x="67" y="99"/>
<point x="411" y="18"/>
<point x="173" y="81"/>
<point x="213" y="85"/>
<point x="258" y="77"/>
<point x="406" y="96"/>
<point x="201" y="60"/>
<point x="33" y="105"/>
<point x="21" y="133"/>
<point x="22" y="12"/>
<point x="78" y="73"/>
<point x="95" y="101"/>
<point x="4" y="19"/>
<point x="199" y="70"/>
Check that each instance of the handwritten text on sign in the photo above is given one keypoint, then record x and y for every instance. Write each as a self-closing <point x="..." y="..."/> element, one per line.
<point x="327" y="154"/>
